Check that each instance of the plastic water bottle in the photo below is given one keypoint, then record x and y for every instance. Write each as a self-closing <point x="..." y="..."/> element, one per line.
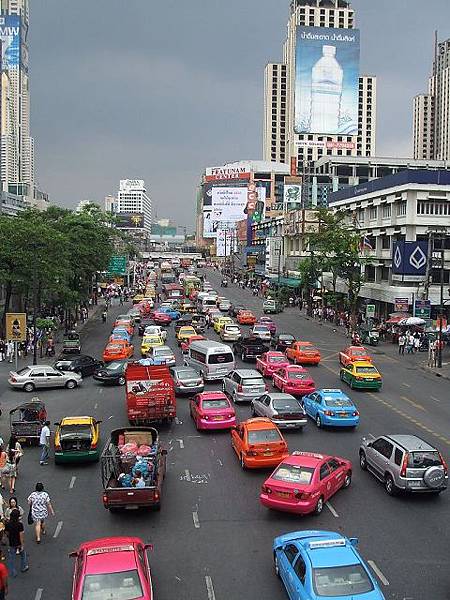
<point x="326" y="92"/>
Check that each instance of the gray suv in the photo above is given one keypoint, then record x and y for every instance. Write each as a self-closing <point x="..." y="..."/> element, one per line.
<point x="244" y="385"/>
<point x="404" y="463"/>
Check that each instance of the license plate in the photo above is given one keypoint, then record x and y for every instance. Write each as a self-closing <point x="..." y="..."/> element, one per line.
<point x="131" y="507"/>
<point x="268" y="453"/>
<point x="283" y="494"/>
<point x="369" y="379"/>
<point x="342" y="414"/>
<point x="217" y="418"/>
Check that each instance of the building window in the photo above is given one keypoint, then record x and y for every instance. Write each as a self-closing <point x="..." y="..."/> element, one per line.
<point x="401" y="209"/>
<point x="373" y="213"/>
<point x="386" y="212"/>
<point x="384" y="274"/>
<point x="385" y="242"/>
<point x="370" y="273"/>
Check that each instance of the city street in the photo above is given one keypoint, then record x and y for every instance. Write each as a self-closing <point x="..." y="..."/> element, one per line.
<point x="212" y="538"/>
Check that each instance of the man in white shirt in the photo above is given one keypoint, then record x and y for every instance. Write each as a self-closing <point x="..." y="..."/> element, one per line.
<point x="44" y="442"/>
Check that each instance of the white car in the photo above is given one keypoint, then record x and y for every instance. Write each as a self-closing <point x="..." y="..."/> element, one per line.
<point x="156" y="330"/>
<point x="261" y="332"/>
<point x="230" y="332"/>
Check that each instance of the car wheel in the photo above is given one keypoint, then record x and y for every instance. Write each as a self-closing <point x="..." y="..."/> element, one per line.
<point x="275" y="565"/>
<point x="319" y="506"/>
<point x="243" y="462"/>
<point x="71" y="384"/>
<point x="389" y="485"/>
<point x="347" y="480"/>
<point x="121" y="380"/>
<point x="28" y="387"/>
<point x="318" y="421"/>
<point x="351" y="384"/>
<point x="363" y="461"/>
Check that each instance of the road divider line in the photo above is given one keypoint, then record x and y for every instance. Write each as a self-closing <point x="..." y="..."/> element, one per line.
<point x="415" y="404"/>
<point x="406" y="385"/>
<point x="435" y="399"/>
<point x="96" y="406"/>
<point x="195" y="519"/>
<point x="100" y="390"/>
<point x="72" y="482"/>
<point x="38" y="594"/>
<point x="331" y="509"/>
<point x="58" y="529"/>
<point x="111" y="417"/>
<point x="210" y="588"/>
<point x="220" y="462"/>
<point x="187" y="474"/>
<point x="378" y="572"/>
<point x="181" y="443"/>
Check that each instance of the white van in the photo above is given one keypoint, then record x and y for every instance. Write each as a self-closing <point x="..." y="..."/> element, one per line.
<point x="212" y="359"/>
<point x="206" y="303"/>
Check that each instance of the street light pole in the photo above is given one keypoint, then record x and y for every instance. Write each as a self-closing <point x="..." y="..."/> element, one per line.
<point x="441" y="308"/>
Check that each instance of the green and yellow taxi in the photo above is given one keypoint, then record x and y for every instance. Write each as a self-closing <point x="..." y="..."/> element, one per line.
<point x="138" y="298"/>
<point x="220" y="323"/>
<point x="77" y="439"/>
<point x="184" y="333"/>
<point x="149" y="342"/>
<point x="362" y="375"/>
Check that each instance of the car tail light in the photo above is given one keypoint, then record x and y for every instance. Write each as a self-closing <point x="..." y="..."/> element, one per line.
<point x="305" y="495"/>
<point x="251" y="453"/>
<point x="230" y="416"/>
<point x="329" y="413"/>
<point x="404" y="465"/>
<point x="14" y="380"/>
<point x="239" y="388"/>
<point x="156" y="495"/>
<point x="444" y="464"/>
<point x="356" y="413"/>
<point x="266" y="489"/>
<point x="105" y="499"/>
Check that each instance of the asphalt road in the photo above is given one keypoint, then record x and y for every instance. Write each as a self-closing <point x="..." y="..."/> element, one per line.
<point x="212" y="539"/>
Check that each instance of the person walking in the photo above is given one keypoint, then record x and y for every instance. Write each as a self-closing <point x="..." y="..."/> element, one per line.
<point x="2" y="349"/>
<point x="432" y="354"/>
<point x="40" y="506"/>
<point x="401" y="343"/>
<point x="15" y="532"/>
<point x="13" y="505"/>
<point x="44" y="442"/>
<point x="3" y="467"/>
<point x="16" y="447"/>
<point x="10" y="350"/>
<point x="11" y="470"/>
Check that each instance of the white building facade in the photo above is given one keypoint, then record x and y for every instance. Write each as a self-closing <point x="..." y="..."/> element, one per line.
<point x="133" y="201"/>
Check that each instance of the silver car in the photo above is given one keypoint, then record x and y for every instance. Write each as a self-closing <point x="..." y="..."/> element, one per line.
<point x="262" y="332"/>
<point x="187" y="380"/>
<point x="283" y="409"/>
<point x="162" y="355"/>
<point x="404" y="463"/>
<point x="43" y="376"/>
<point x="224" y="305"/>
<point x="244" y="385"/>
<point x="230" y="332"/>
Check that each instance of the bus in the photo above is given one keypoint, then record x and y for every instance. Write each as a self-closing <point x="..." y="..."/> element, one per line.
<point x="173" y="291"/>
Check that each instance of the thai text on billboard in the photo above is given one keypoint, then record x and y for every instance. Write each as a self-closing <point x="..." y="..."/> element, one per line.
<point x="227" y="207"/>
<point x="327" y="81"/>
<point x="10" y="38"/>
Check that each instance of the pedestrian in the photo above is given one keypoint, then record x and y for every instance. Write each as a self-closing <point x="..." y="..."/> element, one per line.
<point x="2" y="349"/>
<point x="13" y="505"/>
<point x="40" y="506"/>
<point x="3" y="467"/>
<point x="432" y="353"/>
<point x="401" y="343"/>
<point x="3" y="581"/>
<point x="11" y="470"/>
<point x="410" y="344"/>
<point x="16" y="446"/>
<point x="44" y="442"/>
<point x="10" y="350"/>
<point x="15" y="532"/>
<point x="417" y="343"/>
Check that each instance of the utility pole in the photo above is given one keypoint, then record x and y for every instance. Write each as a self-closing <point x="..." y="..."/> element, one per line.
<point x="441" y="307"/>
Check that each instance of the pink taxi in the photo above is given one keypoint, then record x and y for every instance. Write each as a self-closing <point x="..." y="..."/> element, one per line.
<point x="269" y="362"/>
<point x="294" y="380"/>
<point x="114" y="567"/>
<point x="269" y="323"/>
<point x="212" y="410"/>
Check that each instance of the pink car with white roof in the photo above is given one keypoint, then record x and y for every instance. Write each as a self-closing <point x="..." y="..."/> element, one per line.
<point x="212" y="410"/>
<point x="269" y="362"/>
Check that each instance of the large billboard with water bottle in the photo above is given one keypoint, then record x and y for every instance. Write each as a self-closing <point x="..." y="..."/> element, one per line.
<point x="327" y="81"/>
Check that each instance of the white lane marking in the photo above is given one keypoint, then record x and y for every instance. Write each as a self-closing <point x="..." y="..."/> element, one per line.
<point x="72" y="482"/>
<point x="187" y="475"/>
<point x="195" y="436"/>
<point x="220" y="462"/>
<point x="406" y="384"/>
<point x="111" y="417"/>
<point x="177" y="578"/>
<point x="58" y="529"/>
<point x="434" y="398"/>
<point x="210" y="588"/>
<point x="96" y="406"/>
<point x="100" y="390"/>
<point x="331" y="509"/>
<point x="181" y="443"/>
<point x="195" y="519"/>
<point x="378" y="573"/>
<point x="38" y="595"/>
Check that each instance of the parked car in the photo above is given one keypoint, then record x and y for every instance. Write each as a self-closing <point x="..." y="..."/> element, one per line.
<point x="43" y="376"/>
<point x="112" y="373"/>
<point x="243" y="385"/>
<point x="187" y="380"/>
<point x="84" y="365"/>
<point x="283" y="409"/>
<point x="281" y="341"/>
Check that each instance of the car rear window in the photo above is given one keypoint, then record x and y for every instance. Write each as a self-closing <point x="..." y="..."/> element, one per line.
<point x="163" y="352"/>
<point x="277" y="359"/>
<point x="232" y="328"/>
<point x="423" y="460"/>
<point x="307" y="348"/>
<point x="286" y="338"/>
<point x="253" y="381"/>
<point x="349" y="580"/>
<point x="208" y="404"/>
<point x="359" y="353"/>
<point x="286" y="405"/>
<point x="294" y="474"/>
<point x="337" y="402"/>
<point x="124" y="585"/>
<point x="262" y="436"/>
<point x="295" y="375"/>
<point x="223" y="357"/>
<point x="366" y="370"/>
<point x="22" y="371"/>
<point x="80" y="430"/>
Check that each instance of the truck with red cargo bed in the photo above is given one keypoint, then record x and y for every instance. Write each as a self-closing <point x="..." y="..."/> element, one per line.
<point x="150" y="394"/>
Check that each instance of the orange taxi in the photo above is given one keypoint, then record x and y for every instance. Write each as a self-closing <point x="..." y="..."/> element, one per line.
<point x="258" y="443"/>
<point x="118" y="349"/>
<point x="303" y="353"/>
<point x="352" y="353"/>
<point x="246" y="317"/>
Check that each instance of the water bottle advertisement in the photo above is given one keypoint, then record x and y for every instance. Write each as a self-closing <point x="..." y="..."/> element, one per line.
<point x="327" y="81"/>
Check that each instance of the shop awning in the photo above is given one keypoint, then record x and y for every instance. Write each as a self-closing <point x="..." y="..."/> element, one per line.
<point x="290" y="282"/>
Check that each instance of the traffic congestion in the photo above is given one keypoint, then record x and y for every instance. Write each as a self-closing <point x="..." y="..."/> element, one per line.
<point x="268" y="431"/>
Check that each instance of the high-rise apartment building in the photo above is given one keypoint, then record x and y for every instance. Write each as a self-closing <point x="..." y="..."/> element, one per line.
<point x="315" y="102"/>
<point x="431" y="122"/>
<point x="134" y="206"/>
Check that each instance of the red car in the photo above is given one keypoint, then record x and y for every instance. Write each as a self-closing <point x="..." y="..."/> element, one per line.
<point x="304" y="481"/>
<point x="294" y="380"/>
<point x="269" y="362"/>
<point x="212" y="410"/>
<point x="186" y="343"/>
<point x="114" y="567"/>
<point x="162" y="318"/>
<point x="352" y="354"/>
<point x="269" y="323"/>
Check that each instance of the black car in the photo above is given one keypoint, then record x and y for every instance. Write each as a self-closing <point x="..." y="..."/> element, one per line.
<point x="112" y="373"/>
<point x="281" y="341"/>
<point x="83" y="364"/>
<point x="249" y="348"/>
<point x="145" y="322"/>
<point x="235" y="308"/>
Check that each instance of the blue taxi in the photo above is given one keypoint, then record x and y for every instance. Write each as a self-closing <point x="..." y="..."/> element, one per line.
<point x="318" y="564"/>
<point x="332" y="408"/>
<point x="173" y="314"/>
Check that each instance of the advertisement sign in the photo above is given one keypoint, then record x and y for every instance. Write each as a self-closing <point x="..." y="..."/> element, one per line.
<point x="16" y="327"/>
<point x="228" y="171"/>
<point x="327" y="81"/>
<point x="422" y="309"/>
<point x="370" y="311"/>
<point x="401" y="304"/>
<point x="293" y="169"/>
<point x="410" y="258"/>
<point x="292" y="194"/>
<point x="130" y="220"/>
<point x="130" y="185"/>
<point x="117" y="265"/>
<point x="10" y="38"/>
<point x="329" y="145"/>
<point x="227" y="208"/>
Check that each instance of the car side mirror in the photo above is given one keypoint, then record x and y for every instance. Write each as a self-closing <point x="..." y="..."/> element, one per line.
<point x="98" y="422"/>
<point x="73" y="554"/>
<point x="56" y="424"/>
<point x="369" y="445"/>
<point x="354" y="542"/>
<point x="148" y="547"/>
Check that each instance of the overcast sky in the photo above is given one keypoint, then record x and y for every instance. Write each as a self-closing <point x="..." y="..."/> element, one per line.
<point x="157" y="90"/>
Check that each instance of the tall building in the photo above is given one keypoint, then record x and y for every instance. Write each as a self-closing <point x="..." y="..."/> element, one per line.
<point x="17" y="146"/>
<point x="315" y="102"/>
<point x="431" y="122"/>
<point x="134" y="206"/>
<point x="110" y="205"/>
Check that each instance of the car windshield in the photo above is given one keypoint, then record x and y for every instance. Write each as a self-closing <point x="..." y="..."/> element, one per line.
<point x="186" y="373"/>
<point x="359" y="352"/>
<point x="348" y="580"/>
<point x="78" y="430"/>
<point x="286" y="338"/>
<point x="296" y="375"/>
<point x="208" y="404"/>
<point x="114" y="347"/>
<point x="253" y="381"/>
<point x="124" y="585"/>
<point x="308" y="348"/>
<point x="423" y="460"/>
<point x="277" y="359"/>
<point x="366" y="370"/>
<point x="115" y="366"/>
<point x="232" y="328"/>
<point x="336" y="402"/>
<point x="223" y="357"/>
<point x="262" y="328"/>
<point x="262" y="436"/>
<point x="286" y="405"/>
<point x="294" y="474"/>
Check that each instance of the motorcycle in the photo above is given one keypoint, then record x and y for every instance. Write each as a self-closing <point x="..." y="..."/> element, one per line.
<point x="224" y="283"/>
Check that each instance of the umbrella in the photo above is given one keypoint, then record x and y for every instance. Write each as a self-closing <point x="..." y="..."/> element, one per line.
<point x="412" y="321"/>
<point x="394" y="319"/>
<point x="317" y="298"/>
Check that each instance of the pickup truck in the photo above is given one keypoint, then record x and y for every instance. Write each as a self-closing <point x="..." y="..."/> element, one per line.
<point x="150" y="394"/>
<point x="249" y="348"/>
<point x="129" y="452"/>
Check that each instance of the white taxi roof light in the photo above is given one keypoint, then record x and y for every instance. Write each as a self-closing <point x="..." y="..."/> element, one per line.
<point x="331" y="391"/>
<point x="107" y="549"/>
<point x="327" y="543"/>
<point x="312" y="454"/>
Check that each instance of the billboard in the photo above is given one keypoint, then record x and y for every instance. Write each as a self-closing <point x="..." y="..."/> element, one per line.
<point x="292" y="194"/>
<point x="227" y="205"/>
<point x="10" y="38"/>
<point x="130" y="185"/>
<point x="16" y="327"/>
<point x="130" y="220"/>
<point x="410" y="259"/>
<point x="327" y="81"/>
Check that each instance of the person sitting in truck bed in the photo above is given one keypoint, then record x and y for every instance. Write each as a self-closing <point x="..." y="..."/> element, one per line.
<point x="138" y="480"/>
